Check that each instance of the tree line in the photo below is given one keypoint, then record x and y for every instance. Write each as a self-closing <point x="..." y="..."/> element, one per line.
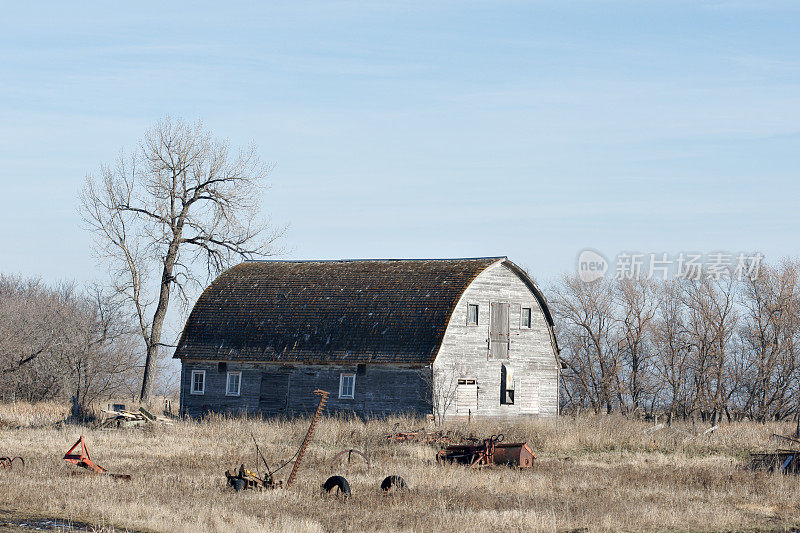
<point x="711" y="348"/>
<point x="62" y="343"/>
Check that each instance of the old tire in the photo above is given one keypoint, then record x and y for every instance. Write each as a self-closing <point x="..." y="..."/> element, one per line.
<point x="393" y="484"/>
<point x="337" y="485"/>
<point x="238" y="484"/>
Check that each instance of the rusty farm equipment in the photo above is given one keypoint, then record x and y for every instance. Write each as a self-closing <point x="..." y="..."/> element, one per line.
<point x="78" y="455"/>
<point x="242" y="478"/>
<point x="436" y="438"/>
<point x="349" y="453"/>
<point x="488" y="452"/>
<point x="7" y="463"/>
<point x="783" y="460"/>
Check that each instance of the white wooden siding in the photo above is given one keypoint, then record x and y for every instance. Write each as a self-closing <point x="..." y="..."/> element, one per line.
<point x="531" y="353"/>
<point x="527" y="396"/>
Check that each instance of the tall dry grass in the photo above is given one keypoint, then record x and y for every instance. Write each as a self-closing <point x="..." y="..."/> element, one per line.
<point x="593" y="473"/>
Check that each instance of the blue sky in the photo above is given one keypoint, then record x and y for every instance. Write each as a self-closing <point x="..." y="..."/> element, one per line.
<point x="403" y="129"/>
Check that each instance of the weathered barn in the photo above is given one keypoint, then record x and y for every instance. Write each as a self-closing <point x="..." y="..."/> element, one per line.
<point x="461" y="337"/>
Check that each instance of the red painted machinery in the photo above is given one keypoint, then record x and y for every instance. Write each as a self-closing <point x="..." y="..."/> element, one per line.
<point x="491" y="451"/>
<point x="79" y="456"/>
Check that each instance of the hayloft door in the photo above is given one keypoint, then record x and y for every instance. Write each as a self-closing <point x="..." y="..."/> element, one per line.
<point x="274" y="396"/>
<point x="498" y="331"/>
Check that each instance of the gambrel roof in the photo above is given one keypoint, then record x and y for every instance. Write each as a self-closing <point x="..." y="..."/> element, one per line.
<point x="349" y="311"/>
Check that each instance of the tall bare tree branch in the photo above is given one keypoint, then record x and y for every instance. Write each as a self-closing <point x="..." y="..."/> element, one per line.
<point x="183" y="198"/>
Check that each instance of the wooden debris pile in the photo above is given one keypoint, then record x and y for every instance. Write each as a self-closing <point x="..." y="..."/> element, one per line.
<point x="127" y="419"/>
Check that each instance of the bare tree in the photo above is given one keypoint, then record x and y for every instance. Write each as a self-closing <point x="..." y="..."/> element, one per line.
<point x="98" y="353"/>
<point x="637" y="300"/>
<point x="671" y="342"/>
<point x="769" y="340"/>
<point x="57" y="343"/>
<point x="182" y="199"/>
<point x="28" y="323"/>
<point x="712" y="320"/>
<point x="441" y="388"/>
<point x="585" y="315"/>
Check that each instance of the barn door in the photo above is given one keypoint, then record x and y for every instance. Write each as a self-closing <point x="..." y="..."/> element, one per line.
<point x="498" y="331"/>
<point x="466" y="397"/>
<point x="274" y="396"/>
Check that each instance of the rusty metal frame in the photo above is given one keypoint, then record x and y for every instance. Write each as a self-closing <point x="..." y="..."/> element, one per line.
<point x="252" y="480"/>
<point x="350" y="453"/>
<point x="7" y="463"/>
<point x="82" y="459"/>
<point x="483" y="453"/>
<point x="784" y="460"/>
<point x="301" y="452"/>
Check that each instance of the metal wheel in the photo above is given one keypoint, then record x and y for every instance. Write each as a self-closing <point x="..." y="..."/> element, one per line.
<point x="393" y="484"/>
<point x="337" y="485"/>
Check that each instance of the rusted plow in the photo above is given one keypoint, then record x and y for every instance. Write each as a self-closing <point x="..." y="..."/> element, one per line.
<point x="488" y="452"/>
<point x="783" y="460"/>
<point x="245" y="479"/>
<point x="7" y="463"/>
<point x="78" y="455"/>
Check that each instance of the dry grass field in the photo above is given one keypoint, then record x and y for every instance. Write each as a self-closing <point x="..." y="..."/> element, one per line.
<point x="592" y="474"/>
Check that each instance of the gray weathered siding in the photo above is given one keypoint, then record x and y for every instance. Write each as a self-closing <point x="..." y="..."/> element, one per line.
<point x="380" y="390"/>
<point x="465" y="349"/>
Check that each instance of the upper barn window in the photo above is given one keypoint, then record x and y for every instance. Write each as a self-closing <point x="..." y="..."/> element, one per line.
<point x="234" y="384"/>
<point x="198" y="382"/>
<point x="347" y="385"/>
<point x="472" y="314"/>
<point x="526" y="317"/>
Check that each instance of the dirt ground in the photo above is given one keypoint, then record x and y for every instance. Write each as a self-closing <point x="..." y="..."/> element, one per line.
<point x="592" y="474"/>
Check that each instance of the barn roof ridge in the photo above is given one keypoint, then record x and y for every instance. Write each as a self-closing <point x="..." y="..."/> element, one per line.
<point x="375" y="259"/>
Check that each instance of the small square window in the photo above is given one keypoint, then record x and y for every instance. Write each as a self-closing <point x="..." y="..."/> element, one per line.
<point x="472" y="314"/>
<point x="198" y="385"/>
<point x="347" y="385"/>
<point x="234" y="384"/>
<point x="526" y="317"/>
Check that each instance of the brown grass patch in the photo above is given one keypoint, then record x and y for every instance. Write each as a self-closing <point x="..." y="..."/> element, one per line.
<point x="597" y="473"/>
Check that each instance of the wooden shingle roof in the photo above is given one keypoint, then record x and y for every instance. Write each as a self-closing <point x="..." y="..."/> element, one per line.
<point x="354" y="311"/>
